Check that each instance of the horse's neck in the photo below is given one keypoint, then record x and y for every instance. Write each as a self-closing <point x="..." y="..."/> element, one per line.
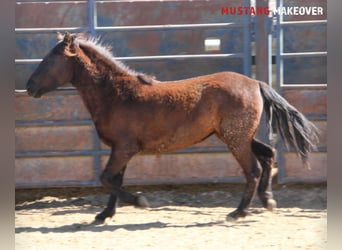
<point x="96" y="95"/>
<point x="101" y="82"/>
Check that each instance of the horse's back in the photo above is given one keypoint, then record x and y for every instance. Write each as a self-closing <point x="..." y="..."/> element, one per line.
<point x="222" y="81"/>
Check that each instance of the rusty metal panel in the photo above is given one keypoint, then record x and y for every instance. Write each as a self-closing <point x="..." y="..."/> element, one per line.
<point x="211" y="143"/>
<point x="178" y="168"/>
<point x="33" y="45"/>
<point x="164" y="12"/>
<point x="311" y="102"/>
<point x="184" y="68"/>
<point x="49" y="14"/>
<point x="304" y="38"/>
<point x="294" y="171"/>
<point x="311" y="70"/>
<point x="59" y="105"/>
<point x="49" y="171"/>
<point x="156" y="42"/>
<point x="301" y="56"/>
<point x="323" y="133"/>
<point x="301" y="39"/>
<point x="23" y="72"/>
<point x="54" y="138"/>
<point x="301" y="45"/>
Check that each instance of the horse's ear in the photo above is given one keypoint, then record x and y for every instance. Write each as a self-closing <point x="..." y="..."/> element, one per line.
<point x="69" y="47"/>
<point x="68" y="39"/>
<point x="59" y="36"/>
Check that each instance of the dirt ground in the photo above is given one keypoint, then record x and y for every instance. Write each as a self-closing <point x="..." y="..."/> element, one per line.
<point x="180" y="217"/>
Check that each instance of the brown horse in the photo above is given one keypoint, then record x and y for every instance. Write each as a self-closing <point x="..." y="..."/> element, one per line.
<point x="134" y="113"/>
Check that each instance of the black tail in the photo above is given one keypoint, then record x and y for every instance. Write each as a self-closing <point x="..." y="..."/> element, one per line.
<point x="295" y="130"/>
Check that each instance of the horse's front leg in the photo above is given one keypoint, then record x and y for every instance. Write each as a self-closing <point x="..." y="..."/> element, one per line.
<point x="112" y="180"/>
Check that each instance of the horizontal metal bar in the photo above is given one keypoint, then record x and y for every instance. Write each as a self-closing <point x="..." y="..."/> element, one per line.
<point x="303" y="22"/>
<point x="303" y="54"/>
<point x="51" y="1"/>
<point x="192" y="56"/>
<point x="57" y="153"/>
<point x="168" y="26"/>
<point x="131" y="28"/>
<point x="286" y="86"/>
<point x="20" y="91"/>
<point x="147" y="58"/>
<point x="49" y="30"/>
<point x="52" y="123"/>
<point x="27" y="61"/>
<point x="67" y="90"/>
<point x="92" y="152"/>
<point x="50" y="184"/>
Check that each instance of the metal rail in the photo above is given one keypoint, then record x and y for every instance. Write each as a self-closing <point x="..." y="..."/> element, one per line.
<point x="150" y="58"/>
<point x="281" y="86"/>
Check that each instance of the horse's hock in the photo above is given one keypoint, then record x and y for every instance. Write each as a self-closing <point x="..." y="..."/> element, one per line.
<point x="56" y="142"/>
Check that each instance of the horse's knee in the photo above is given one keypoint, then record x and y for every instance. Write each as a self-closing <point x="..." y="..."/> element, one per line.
<point x="110" y="181"/>
<point x="105" y="180"/>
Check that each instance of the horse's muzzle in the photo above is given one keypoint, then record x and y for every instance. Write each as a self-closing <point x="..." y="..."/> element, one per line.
<point x="33" y="90"/>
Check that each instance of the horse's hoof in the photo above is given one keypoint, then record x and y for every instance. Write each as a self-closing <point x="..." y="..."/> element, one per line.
<point x="97" y="222"/>
<point x="101" y="217"/>
<point x="271" y="204"/>
<point x="142" y="202"/>
<point x="235" y="215"/>
<point x="231" y="219"/>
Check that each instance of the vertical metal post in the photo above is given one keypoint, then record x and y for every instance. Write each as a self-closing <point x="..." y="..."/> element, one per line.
<point x="92" y="16"/>
<point x="247" y="42"/>
<point x="263" y="59"/>
<point x="279" y="82"/>
<point x="279" y="49"/>
<point x="92" y="23"/>
<point x="263" y="45"/>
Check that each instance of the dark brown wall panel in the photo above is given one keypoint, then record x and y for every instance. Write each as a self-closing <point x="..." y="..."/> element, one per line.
<point x="55" y="138"/>
<point x="50" y="14"/>
<point x="36" y="170"/>
<point x="53" y="106"/>
<point x="295" y="171"/>
<point x="163" y="12"/>
<point x="308" y="101"/>
<point x="175" y="168"/>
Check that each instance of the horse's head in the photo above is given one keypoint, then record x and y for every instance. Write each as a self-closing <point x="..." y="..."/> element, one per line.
<point x="55" y="70"/>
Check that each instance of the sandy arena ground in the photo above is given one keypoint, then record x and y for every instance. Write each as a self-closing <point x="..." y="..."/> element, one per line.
<point x="180" y="217"/>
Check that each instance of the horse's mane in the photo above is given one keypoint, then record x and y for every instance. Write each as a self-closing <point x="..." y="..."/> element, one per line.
<point x="104" y="61"/>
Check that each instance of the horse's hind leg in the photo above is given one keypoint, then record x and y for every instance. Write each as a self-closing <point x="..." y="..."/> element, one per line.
<point x="265" y="155"/>
<point x="252" y="171"/>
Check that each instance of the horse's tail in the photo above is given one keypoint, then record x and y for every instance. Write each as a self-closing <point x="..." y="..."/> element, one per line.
<point x="295" y="130"/>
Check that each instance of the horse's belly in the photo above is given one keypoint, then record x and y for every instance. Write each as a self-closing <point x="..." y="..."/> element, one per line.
<point x="181" y="139"/>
